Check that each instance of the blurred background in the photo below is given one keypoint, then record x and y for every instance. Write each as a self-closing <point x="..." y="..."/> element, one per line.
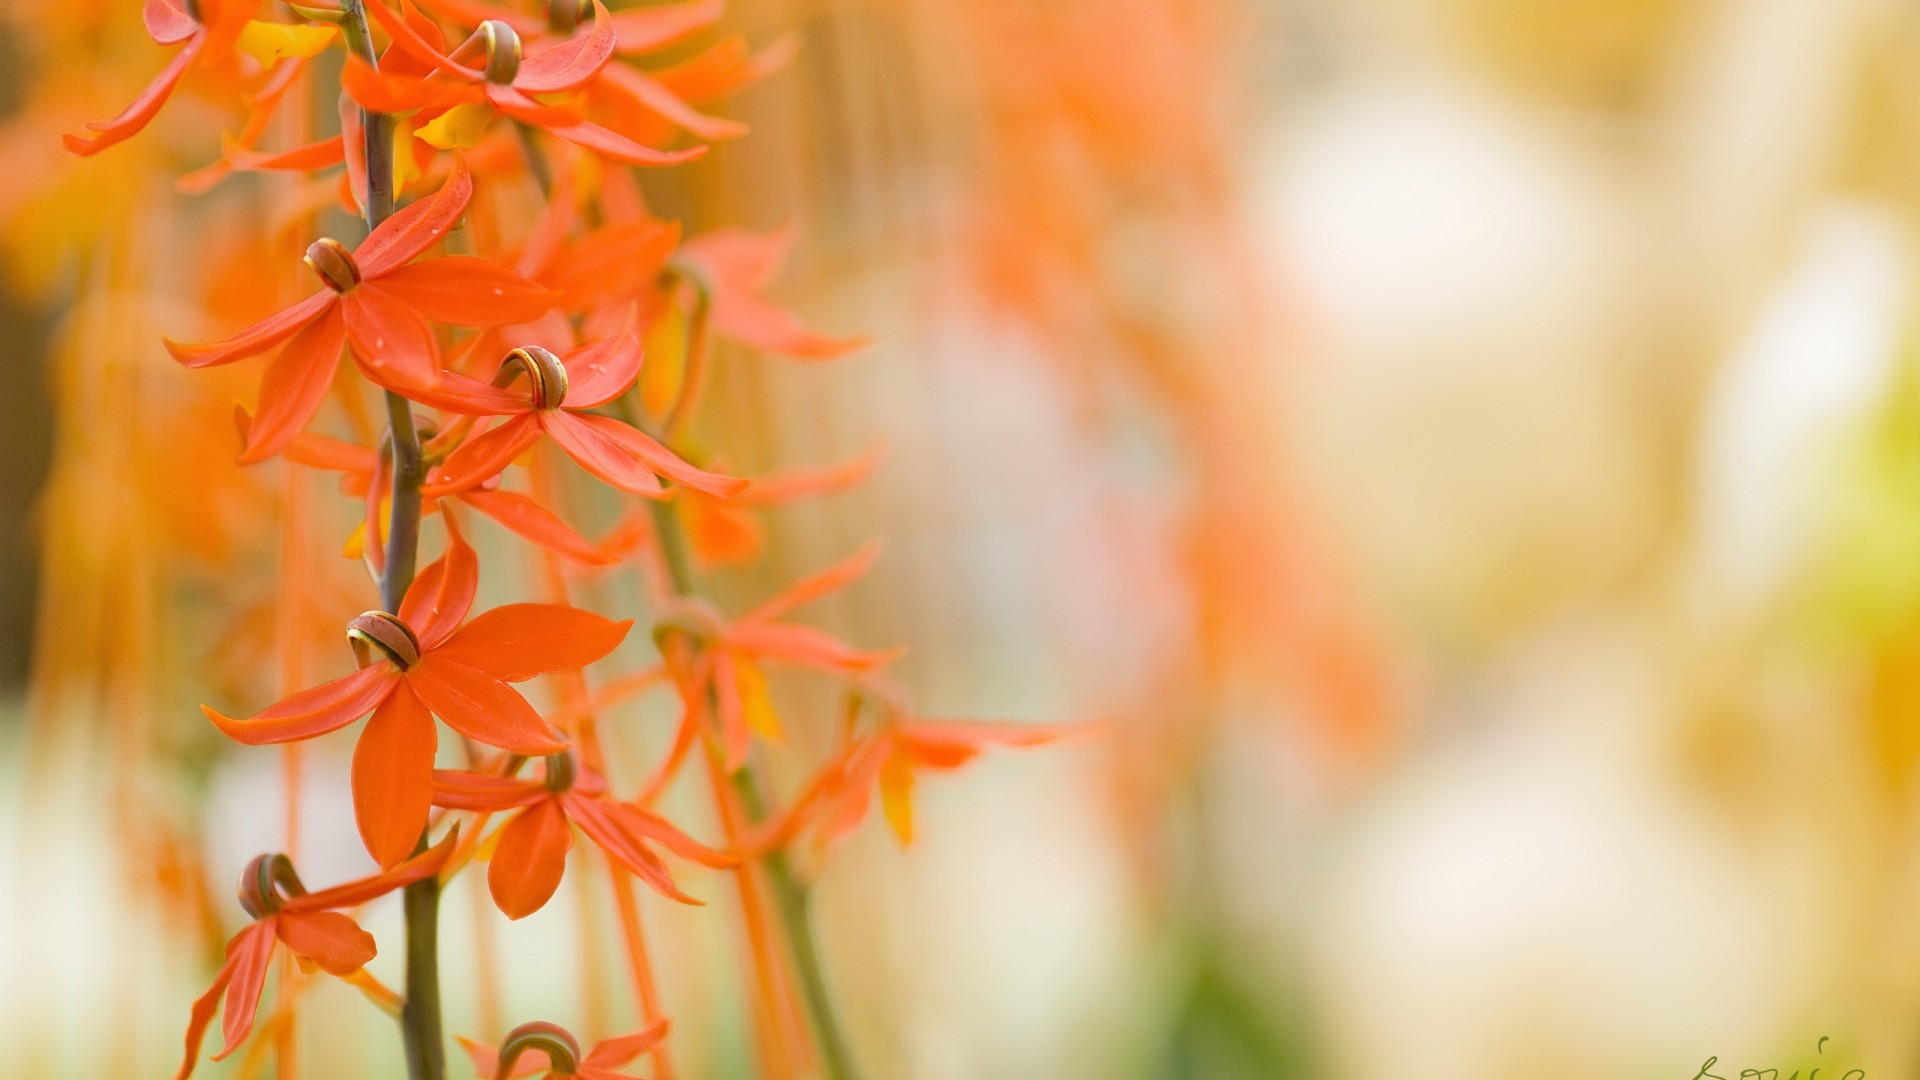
<point x="1468" y="450"/>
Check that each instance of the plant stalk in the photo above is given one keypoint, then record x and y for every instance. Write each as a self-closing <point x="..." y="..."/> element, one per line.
<point x="421" y="1029"/>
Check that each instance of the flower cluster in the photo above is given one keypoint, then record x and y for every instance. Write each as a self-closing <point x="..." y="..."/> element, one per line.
<point x="496" y="340"/>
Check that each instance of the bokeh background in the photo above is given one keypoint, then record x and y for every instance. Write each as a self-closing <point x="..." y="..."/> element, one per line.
<point x="1467" y="450"/>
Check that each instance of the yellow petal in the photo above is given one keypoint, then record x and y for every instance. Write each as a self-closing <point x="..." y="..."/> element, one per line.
<point x="896" y="795"/>
<point x="666" y="352"/>
<point x="405" y="171"/>
<point x="272" y="42"/>
<point x="356" y="544"/>
<point x="754" y="700"/>
<point x="460" y="126"/>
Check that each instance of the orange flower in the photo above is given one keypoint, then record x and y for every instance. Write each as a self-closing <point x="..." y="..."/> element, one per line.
<point x="357" y="466"/>
<point x="547" y="1050"/>
<point x="169" y="22"/>
<point x="726" y="666"/>
<point x="554" y="402"/>
<point x="503" y="83"/>
<point x="734" y="266"/>
<point x="429" y="661"/>
<point x="531" y="852"/>
<point x="379" y="302"/>
<point x="891" y="756"/>
<point x="310" y="928"/>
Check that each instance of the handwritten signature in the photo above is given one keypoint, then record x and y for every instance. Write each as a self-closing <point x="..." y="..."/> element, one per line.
<point x="1706" y="1070"/>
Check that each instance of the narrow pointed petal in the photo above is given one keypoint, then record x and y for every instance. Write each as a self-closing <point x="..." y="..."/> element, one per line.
<point x="785" y="487"/>
<point x="530" y="859"/>
<point x="736" y="738"/>
<point x="649" y="94"/>
<point x="442" y="594"/>
<point x="141" y="111"/>
<point x="617" y="1051"/>
<point x="485" y="456"/>
<point x="327" y="707"/>
<point x="395" y="346"/>
<point x="626" y="457"/>
<point x="204" y="1006"/>
<point x="571" y="62"/>
<point x="645" y="30"/>
<point x="325" y="452"/>
<point x="460" y="290"/>
<point x="515" y="642"/>
<point x="305" y="158"/>
<point x="757" y="324"/>
<point x="647" y="825"/>
<point x="327" y="938"/>
<point x="294" y="386"/>
<point x="408" y="40"/>
<point x="531" y="521"/>
<point x="257" y="338"/>
<point x="417" y="227"/>
<point x="251" y="952"/>
<point x="593" y="818"/>
<point x="896" y="795"/>
<point x="807" y="646"/>
<point x="457" y="790"/>
<point x="457" y="393"/>
<point x="817" y="585"/>
<point x="616" y="147"/>
<point x="482" y="707"/>
<point x="615" y="262"/>
<point x="602" y="371"/>
<point x="357" y="892"/>
<point x="393" y="777"/>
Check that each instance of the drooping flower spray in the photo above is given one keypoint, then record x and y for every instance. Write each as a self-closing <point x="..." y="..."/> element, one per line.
<point x="507" y="323"/>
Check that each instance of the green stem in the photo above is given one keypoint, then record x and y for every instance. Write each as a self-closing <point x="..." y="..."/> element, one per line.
<point x="421" y="1029"/>
<point x="791" y="897"/>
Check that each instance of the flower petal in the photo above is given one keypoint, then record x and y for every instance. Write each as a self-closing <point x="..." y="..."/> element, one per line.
<point x="257" y="338"/>
<point x="457" y="393"/>
<point x="515" y="642"/>
<point x="483" y="791"/>
<point x="442" y="594"/>
<point x="650" y="95"/>
<point x="416" y="227"/>
<point x="327" y="707"/>
<point x="529" y="859"/>
<point x="395" y="346"/>
<point x="482" y="707"/>
<point x="393" y="777"/>
<point x="251" y="952"/>
<point x="167" y="21"/>
<point x="357" y="892"/>
<point x="486" y="455"/>
<point x="531" y="521"/>
<point x="571" y="62"/>
<point x="626" y="457"/>
<point x="808" y="646"/>
<point x="604" y="829"/>
<point x="460" y="290"/>
<point x="201" y="1016"/>
<point x="615" y="262"/>
<point x="816" y="585"/>
<point x="141" y="110"/>
<point x="294" y="385"/>
<point x="602" y="371"/>
<point x="645" y="30"/>
<point x="327" y="938"/>
<point x="617" y="1051"/>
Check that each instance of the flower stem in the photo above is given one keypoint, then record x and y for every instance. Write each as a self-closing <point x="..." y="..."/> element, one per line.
<point x="420" y="1025"/>
<point x="790" y="896"/>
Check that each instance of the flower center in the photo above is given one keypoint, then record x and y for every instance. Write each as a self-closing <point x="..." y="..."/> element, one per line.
<point x="333" y="262"/>
<point x="563" y="1053"/>
<point x="559" y="771"/>
<point x="266" y="883"/>
<point x="564" y="15"/>
<point x="544" y="372"/>
<point x="393" y="639"/>
<point x="503" y="51"/>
